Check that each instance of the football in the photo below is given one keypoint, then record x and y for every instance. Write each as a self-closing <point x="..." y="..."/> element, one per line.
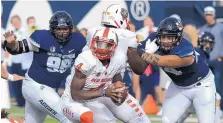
<point x="120" y="85"/>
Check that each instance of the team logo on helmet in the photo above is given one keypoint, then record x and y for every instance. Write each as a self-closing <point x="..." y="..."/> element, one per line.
<point x="179" y="25"/>
<point x="124" y="13"/>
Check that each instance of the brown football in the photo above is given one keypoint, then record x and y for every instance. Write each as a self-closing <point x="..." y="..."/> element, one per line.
<point x="120" y="85"/>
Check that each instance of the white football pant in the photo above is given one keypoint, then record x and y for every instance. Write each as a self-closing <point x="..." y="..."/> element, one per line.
<point x="105" y="111"/>
<point x="178" y="99"/>
<point x="191" y="110"/>
<point x="41" y="101"/>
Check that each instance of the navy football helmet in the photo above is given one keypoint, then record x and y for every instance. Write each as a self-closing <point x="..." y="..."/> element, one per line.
<point x="170" y="27"/>
<point x="61" y="25"/>
<point x="206" y="41"/>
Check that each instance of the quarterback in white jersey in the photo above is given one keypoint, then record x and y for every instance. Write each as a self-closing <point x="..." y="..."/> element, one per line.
<point x="88" y="94"/>
<point x="91" y="89"/>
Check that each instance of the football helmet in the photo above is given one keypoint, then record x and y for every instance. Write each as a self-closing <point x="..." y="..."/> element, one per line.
<point x="115" y="16"/>
<point x="104" y="43"/>
<point x="206" y="41"/>
<point x="170" y="27"/>
<point x="59" y="22"/>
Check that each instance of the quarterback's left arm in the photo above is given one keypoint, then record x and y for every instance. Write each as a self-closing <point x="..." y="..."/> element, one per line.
<point x="77" y="92"/>
<point x="77" y="85"/>
<point x="172" y="61"/>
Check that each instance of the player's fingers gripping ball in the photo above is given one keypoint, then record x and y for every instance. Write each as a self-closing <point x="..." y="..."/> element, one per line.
<point x="122" y="92"/>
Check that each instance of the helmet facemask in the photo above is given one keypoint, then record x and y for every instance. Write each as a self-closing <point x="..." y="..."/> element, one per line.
<point x="206" y="42"/>
<point x="208" y="46"/>
<point x="61" y="25"/>
<point x="171" y="29"/>
<point x="103" y="48"/>
<point x="168" y="41"/>
<point x="62" y="34"/>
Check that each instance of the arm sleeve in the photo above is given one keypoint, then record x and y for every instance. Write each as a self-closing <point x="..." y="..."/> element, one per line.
<point x="25" y="45"/>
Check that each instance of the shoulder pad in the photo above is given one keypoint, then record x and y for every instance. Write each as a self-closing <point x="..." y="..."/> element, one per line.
<point x="185" y="48"/>
<point x="85" y="62"/>
<point x="41" y="39"/>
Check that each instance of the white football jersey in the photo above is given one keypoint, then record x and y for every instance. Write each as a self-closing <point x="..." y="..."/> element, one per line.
<point x="97" y="75"/>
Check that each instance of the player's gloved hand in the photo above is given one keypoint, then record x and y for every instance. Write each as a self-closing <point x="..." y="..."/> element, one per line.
<point x="112" y="92"/>
<point x="151" y="46"/>
<point x="10" y="37"/>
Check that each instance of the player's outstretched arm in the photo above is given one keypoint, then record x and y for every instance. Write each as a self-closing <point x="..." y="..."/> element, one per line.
<point x="16" y="47"/>
<point x="137" y="64"/>
<point x="172" y="61"/>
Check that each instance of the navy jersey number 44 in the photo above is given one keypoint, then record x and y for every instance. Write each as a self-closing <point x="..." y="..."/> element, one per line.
<point x="184" y="76"/>
<point x="52" y="63"/>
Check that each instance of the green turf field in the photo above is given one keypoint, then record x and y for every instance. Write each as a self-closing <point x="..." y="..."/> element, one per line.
<point x="14" y="111"/>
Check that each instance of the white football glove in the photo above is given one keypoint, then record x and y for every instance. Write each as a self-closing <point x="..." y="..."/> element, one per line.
<point x="151" y="46"/>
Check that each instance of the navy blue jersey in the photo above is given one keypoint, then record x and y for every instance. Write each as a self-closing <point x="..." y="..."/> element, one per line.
<point x="204" y="56"/>
<point x="52" y="64"/>
<point x="184" y="76"/>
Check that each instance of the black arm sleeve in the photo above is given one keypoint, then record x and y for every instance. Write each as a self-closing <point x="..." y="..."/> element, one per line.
<point x="22" y="47"/>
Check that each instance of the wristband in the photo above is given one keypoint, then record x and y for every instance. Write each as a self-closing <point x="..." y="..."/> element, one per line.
<point x="10" y="77"/>
<point x="104" y="91"/>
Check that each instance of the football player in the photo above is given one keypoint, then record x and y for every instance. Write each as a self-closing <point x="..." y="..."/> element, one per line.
<point x="54" y="53"/>
<point x="206" y="42"/>
<point x="91" y="91"/>
<point x="193" y="82"/>
<point x="88" y="97"/>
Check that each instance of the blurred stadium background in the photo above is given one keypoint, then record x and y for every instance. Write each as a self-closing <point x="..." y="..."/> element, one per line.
<point x="145" y="17"/>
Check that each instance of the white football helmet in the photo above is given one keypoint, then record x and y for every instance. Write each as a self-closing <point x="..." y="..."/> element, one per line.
<point x="103" y="43"/>
<point x="116" y="16"/>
